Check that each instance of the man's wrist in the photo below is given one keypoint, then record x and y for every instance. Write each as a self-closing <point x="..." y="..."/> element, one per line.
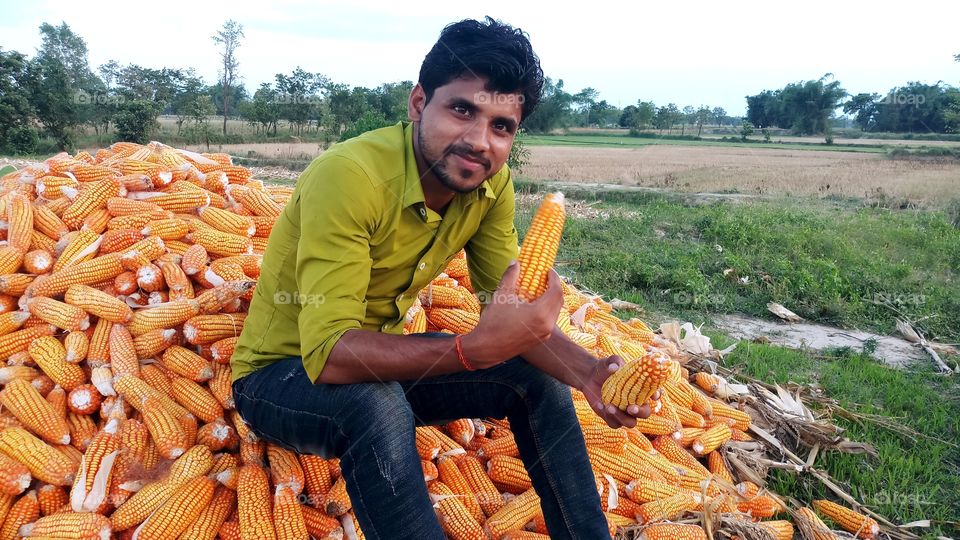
<point x="473" y="350"/>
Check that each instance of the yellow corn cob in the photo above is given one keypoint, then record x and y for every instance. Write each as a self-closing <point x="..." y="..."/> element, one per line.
<point x="456" y="520"/>
<point x="89" y="200"/>
<point x="143" y="503"/>
<point x="10" y="259"/>
<point x="669" y="508"/>
<point x="14" y="477"/>
<point x="483" y="488"/>
<point x="851" y="521"/>
<point x="228" y="222"/>
<point x="167" y="315"/>
<point x="602" y="436"/>
<point x="28" y="406"/>
<point x="449" y="474"/>
<point x="760" y="507"/>
<point x="194" y="258"/>
<point x="14" y="372"/>
<point x="503" y="446"/>
<point x="186" y="363"/>
<point x="669" y="448"/>
<point x="320" y="525"/>
<point x="204" y="329"/>
<point x="88" y="272"/>
<point x="19" y="221"/>
<point x="218" y="435"/>
<point x="717" y="466"/>
<point x="48" y="223"/>
<point x="711" y="439"/>
<point x="253" y="503"/>
<point x="508" y="474"/>
<point x="259" y="203"/>
<point x="15" y="284"/>
<point x="809" y="520"/>
<point x="51" y="499"/>
<point x="182" y="201"/>
<point x="285" y="470"/>
<point x="114" y="240"/>
<point x="122" y="206"/>
<point x="316" y="474"/>
<point x="540" y="245"/>
<point x="179" y="511"/>
<point x="635" y="381"/>
<point x="196" y="399"/>
<point x="165" y="429"/>
<point x="213" y="300"/>
<point x="166" y="229"/>
<point x="90" y="488"/>
<point x="84" y="400"/>
<point x="51" y="187"/>
<point x="514" y="514"/>
<point x="99" y="303"/>
<point x="458" y="321"/>
<point x="39" y="260"/>
<point x="221" y="243"/>
<point x="177" y="282"/>
<point x="25" y="510"/>
<point x="123" y="357"/>
<point x="337" y="501"/>
<point x="69" y="526"/>
<point x="45" y="463"/>
<point x="672" y="531"/>
<point x="96" y="221"/>
<point x="529" y="535"/>
<point x="59" y="314"/>
<point x="154" y="342"/>
<point x="50" y="356"/>
<point x="741" y="419"/>
<point x="287" y="515"/>
<point x="76" y="344"/>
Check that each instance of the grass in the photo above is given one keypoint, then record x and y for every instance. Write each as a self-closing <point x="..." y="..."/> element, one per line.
<point x="828" y="262"/>
<point x="912" y="478"/>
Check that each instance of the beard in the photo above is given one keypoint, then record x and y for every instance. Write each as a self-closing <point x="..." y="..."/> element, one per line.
<point x="447" y="174"/>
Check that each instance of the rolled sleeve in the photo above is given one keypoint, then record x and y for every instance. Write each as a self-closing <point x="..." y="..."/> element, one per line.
<point x="337" y="209"/>
<point x="494" y="245"/>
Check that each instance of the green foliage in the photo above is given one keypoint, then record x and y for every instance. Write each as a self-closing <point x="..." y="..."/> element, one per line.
<point x="746" y="130"/>
<point x="369" y="120"/>
<point x="805" y="107"/>
<point x="553" y="111"/>
<point x="21" y="140"/>
<point x="135" y="120"/>
<point x="15" y="108"/>
<point x="519" y="153"/>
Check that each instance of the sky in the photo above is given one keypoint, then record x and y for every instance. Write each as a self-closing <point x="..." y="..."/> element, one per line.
<point x="685" y="52"/>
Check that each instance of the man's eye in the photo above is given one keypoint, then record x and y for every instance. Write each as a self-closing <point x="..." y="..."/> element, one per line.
<point x="460" y="109"/>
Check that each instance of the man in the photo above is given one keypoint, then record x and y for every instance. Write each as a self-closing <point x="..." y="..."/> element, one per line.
<point x="322" y="366"/>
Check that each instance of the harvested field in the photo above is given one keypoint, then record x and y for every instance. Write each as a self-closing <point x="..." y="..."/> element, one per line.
<point x="753" y="171"/>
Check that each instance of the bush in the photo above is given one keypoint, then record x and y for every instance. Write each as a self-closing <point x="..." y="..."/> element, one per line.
<point x="21" y="140"/>
<point x="135" y="120"/>
<point x="368" y="121"/>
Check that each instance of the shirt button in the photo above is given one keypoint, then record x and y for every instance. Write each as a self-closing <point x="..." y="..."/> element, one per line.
<point x="400" y="298"/>
<point x="423" y="212"/>
<point x="422" y="266"/>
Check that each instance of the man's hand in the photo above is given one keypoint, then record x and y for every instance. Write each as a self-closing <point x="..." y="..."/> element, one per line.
<point x="612" y="415"/>
<point x="508" y="326"/>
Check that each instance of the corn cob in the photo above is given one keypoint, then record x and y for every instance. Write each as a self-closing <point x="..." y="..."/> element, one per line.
<point x="165" y="429"/>
<point x="508" y="474"/>
<point x="181" y="201"/>
<point x="76" y="344"/>
<point x="90" y="488"/>
<point x="28" y="406"/>
<point x="260" y="203"/>
<point x="89" y="200"/>
<point x="179" y="511"/>
<point x="539" y="248"/>
<point x="287" y="515"/>
<point x="19" y="222"/>
<point x="69" y="526"/>
<point x="14" y="477"/>
<point x="320" y="525"/>
<point x="253" y="503"/>
<point x="285" y="470"/>
<point x="221" y="243"/>
<point x="636" y="381"/>
<point x="669" y="508"/>
<point x="455" y="519"/>
<point x="316" y="473"/>
<point x="718" y="466"/>
<point x="760" y="507"/>
<point x="205" y="329"/>
<point x="186" y="363"/>
<point x="25" y="510"/>
<point x="98" y="303"/>
<point x="337" y="501"/>
<point x="51" y="357"/>
<point x="167" y="315"/>
<point x="38" y="261"/>
<point x="514" y="514"/>
<point x="854" y="522"/>
<point x="672" y="531"/>
<point x="811" y="524"/>
<point x="711" y="439"/>
<point x="44" y="462"/>
<point x="456" y="320"/>
<point x="51" y="499"/>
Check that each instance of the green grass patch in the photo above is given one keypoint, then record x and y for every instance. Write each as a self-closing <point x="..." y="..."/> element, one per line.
<point x="829" y="263"/>
<point x="913" y="478"/>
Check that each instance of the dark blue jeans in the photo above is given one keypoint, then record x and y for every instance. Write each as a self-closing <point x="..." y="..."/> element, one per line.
<point x="370" y="427"/>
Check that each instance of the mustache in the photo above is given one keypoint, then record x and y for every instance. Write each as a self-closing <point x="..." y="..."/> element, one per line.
<point x="466" y="151"/>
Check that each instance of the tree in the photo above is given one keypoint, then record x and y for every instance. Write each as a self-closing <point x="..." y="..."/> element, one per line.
<point x="687" y="117"/>
<point x="702" y="115"/>
<point x="863" y="107"/>
<point x="299" y="94"/>
<point x="646" y="111"/>
<point x="135" y="120"/>
<point x="16" y="112"/>
<point x="554" y="110"/>
<point x="806" y="107"/>
<point x="264" y="110"/>
<point x="228" y="37"/>
<point x="667" y="116"/>
<point x="719" y="113"/>
<point x="191" y="103"/>
<point x="585" y="100"/>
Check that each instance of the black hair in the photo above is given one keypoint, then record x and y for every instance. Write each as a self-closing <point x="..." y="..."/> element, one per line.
<point x="491" y="49"/>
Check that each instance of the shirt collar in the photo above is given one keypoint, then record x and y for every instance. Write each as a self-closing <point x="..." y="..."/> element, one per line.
<point x="413" y="189"/>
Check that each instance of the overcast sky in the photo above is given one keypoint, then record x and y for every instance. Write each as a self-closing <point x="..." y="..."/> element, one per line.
<point x="685" y="52"/>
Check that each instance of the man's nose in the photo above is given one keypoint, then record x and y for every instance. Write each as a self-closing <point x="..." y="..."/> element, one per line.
<point x="477" y="137"/>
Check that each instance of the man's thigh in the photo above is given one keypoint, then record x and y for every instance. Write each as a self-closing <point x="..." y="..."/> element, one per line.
<point x="284" y="407"/>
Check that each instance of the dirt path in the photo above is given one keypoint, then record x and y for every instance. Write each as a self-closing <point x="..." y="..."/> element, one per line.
<point x="891" y="350"/>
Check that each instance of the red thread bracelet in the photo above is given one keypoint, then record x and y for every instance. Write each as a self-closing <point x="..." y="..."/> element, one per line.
<point x="463" y="359"/>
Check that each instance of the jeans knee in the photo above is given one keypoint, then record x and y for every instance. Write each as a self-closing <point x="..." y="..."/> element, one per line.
<point x="377" y="411"/>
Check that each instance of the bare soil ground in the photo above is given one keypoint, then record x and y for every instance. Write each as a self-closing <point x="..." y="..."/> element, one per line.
<point x="751" y="171"/>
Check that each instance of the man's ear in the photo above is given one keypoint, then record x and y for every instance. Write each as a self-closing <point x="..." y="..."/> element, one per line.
<point x="416" y="103"/>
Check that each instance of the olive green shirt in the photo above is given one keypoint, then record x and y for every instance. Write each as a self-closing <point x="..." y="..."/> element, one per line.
<point x="355" y="244"/>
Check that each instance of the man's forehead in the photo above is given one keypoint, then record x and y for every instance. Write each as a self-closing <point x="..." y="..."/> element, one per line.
<point x="476" y="89"/>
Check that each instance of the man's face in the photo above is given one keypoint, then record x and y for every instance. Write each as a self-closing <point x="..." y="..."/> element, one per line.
<point x="465" y="131"/>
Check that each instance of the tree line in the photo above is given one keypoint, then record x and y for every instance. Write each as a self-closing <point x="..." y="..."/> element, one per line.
<point x="809" y="107"/>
